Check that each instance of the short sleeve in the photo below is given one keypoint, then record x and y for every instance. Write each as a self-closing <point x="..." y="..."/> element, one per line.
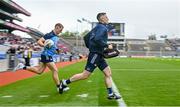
<point x="48" y="36"/>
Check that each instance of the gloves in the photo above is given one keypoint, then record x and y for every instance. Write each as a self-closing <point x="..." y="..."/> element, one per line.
<point x="110" y="53"/>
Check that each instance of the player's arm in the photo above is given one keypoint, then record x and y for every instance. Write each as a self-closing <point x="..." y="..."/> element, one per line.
<point x="41" y="41"/>
<point x="58" y="51"/>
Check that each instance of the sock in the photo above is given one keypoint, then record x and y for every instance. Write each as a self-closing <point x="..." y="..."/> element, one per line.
<point x="58" y="86"/>
<point x="109" y="90"/>
<point x="24" y="67"/>
<point x="68" y="81"/>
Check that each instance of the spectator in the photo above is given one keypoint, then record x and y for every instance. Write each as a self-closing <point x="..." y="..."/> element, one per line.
<point x="27" y="55"/>
<point x="12" y="50"/>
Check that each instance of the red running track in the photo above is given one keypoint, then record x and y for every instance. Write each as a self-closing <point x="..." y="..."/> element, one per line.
<point x="9" y="77"/>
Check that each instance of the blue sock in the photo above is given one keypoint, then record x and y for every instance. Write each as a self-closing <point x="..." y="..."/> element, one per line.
<point x="109" y="90"/>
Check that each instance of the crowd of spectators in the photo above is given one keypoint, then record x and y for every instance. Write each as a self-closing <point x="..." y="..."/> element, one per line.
<point x="175" y="43"/>
<point x="17" y="42"/>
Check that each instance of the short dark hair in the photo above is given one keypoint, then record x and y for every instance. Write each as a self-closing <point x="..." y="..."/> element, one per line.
<point x="99" y="15"/>
<point x="59" y="24"/>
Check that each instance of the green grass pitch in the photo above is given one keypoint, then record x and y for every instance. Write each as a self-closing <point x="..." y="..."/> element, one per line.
<point x="141" y="82"/>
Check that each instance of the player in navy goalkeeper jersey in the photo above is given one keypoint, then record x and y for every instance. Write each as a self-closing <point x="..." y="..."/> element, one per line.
<point x="95" y="58"/>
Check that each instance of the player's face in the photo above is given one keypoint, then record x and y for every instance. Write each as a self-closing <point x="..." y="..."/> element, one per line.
<point x="58" y="30"/>
<point x="105" y="19"/>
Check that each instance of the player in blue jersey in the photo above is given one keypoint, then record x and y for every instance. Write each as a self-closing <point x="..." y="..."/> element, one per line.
<point x="47" y="55"/>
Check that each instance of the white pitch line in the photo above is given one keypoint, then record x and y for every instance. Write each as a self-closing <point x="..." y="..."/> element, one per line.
<point x="89" y="81"/>
<point x="121" y="102"/>
<point x="42" y="96"/>
<point x="83" y="95"/>
<point x="7" y="96"/>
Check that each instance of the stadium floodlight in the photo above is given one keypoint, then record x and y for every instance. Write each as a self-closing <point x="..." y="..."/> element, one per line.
<point x="88" y="22"/>
<point x="85" y="20"/>
<point x="78" y="20"/>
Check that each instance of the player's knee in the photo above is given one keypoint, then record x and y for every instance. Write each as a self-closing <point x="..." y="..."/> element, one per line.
<point x="107" y="72"/>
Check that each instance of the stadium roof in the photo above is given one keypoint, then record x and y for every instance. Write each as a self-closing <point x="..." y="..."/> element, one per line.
<point x="12" y="26"/>
<point x="5" y="15"/>
<point x="34" y="33"/>
<point x="12" y="7"/>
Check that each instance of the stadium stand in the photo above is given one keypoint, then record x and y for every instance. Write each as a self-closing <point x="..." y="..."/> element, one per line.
<point x="174" y="43"/>
<point x="8" y="13"/>
<point x="143" y="47"/>
<point x="8" y="40"/>
<point x="11" y="7"/>
<point x="5" y="15"/>
<point x="12" y="26"/>
<point x="77" y="44"/>
<point x="136" y="45"/>
<point x="157" y="45"/>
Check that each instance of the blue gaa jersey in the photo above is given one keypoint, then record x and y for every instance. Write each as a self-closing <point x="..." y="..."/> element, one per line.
<point x="52" y="50"/>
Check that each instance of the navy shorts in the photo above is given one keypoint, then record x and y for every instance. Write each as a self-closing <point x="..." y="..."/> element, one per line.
<point x="46" y="59"/>
<point x="95" y="60"/>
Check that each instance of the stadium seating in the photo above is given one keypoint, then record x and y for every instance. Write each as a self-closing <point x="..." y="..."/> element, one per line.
<point x="174" y="43"/>
<point x="139" y="47"/>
